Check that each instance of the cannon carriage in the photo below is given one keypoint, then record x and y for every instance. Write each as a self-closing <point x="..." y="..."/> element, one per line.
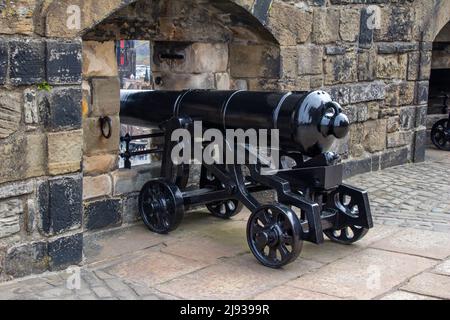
<point x="312" y="200"/>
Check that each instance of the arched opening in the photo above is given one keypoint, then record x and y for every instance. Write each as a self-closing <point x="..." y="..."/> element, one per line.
<point x="439" y="85"/>
<point x="192" y="45"/>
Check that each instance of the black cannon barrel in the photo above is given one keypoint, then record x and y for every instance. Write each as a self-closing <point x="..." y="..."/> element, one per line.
<point x="308" y="122"/>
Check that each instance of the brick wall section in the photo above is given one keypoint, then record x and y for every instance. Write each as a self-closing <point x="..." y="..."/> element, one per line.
<point x="59" y="177"/>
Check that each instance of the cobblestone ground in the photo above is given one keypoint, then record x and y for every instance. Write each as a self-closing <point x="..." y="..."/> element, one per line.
<point x="414" y="195"/>
<point x="208" y="258"/>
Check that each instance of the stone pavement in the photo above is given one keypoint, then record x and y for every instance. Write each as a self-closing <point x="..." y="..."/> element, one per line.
<point x="208" y="258"/>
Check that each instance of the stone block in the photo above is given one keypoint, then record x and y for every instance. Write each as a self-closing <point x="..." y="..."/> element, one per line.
<point x="420" y="145"/>
<point x="421" y="116"/>
<point x="430" y="284"/>
<point x="391" y="66"/>
<point x="102" y="214"/>
<point x="349" y="24"/>
<point x="180" y="81"/>
<point x="340" y="69"/>
<point x="105" y="97"/>
<point x="27" y="62"/>
<point x="99" y="59"/>
<point x="64" y="109"/>
<point x="10" y="112"/>
<point x="399" y="139"/>
<point x="374" y="135"/>
<point x="64" y="152"/>
<point x="130" y="209"/>
<point x="222" y="81"/>
<point x="365" y="33"/>
<point x="15" y="189"/>
<point x="95" y="187"/>
<point x="406" y="93"/>
<point x="289" y="62"/>
<point x="254" y="61"/>
<point x="10" y="211"/>
<point x="94" y="142"/>
<point x="366" y="65"/>
<point x="396" y="24"/>
<point x="63" y="62"/>
<point x="325" y="25"/>
<point x="367" y="92"/>
<point x="373" y="273"/>
<point x="290" y="25"/>
<point x="26" y="259"/>
<point x="413" y="66"/>
<point x="310" y="59"/>
<point x="184" y="57"/>
<point x="127" y="181"/>
<point x="35" y="158"/>
<point x="17" y="17"/>
<point x="3" y="60"/>
<point x="422" y="91"/>
<point x="394" y="158"/>
<point x="393" y="124"/>
<point x="408" y="118"/>
<point x="103" y="163"/>
<point x="65" y="252"/>
<point x="425" y="65"/>
<point x="355" y="167"/>
<point x="31" y="107"/>
<point x="340" y="94"/>
<point x="60" y="204"/>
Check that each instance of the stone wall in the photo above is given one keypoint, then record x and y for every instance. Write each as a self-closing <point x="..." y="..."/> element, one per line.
<point x="59" y="178"/>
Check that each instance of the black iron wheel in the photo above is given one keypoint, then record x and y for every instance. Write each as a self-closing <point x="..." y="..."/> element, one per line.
<point x="161" y="206"/>
<point x="273" y="235"/>
<point x="225" y="209"/>
<point x="347" y="235"/>
<point x="221" y="209"/>
<point x="440" y="135"/>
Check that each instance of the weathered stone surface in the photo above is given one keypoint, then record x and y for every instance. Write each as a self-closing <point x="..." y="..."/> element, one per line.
<point x="105" y="97"/>
<point x="248" y="61"/>
<point x="64" y="152"/>
<point x="26" y="259"/>
<point x="325" y="24"/>
<point x="94" y="187"/>
<point x="310" y="59"/>
<point x="422" y="91"/>
<point x="356" y="167"/>
<point x="349" y="24"/>
<point x="420" y="142"/>
<point x="340" y="69"/>
<point x="394" y="158"/>
<point x="193" y="57"/>
<point x="16" y="189"/>
<point x="366" y="65"/>
<point x="31" y="107"/>
<point x="60" y="204"/>
<point x="443" y="268"/>
<point x="17" y="17"/>
<point x="396" y="24"/>
<point x="127" y="181"/>
<point x="399" y="139"/>
<point x="130" y="209"/>
<point x="64" y="109"/>
<point x="3" y="60"/>
<point x="10" y="112"/>
<point x="393" y="124"/>
<point x="373" y="272"/>
<point x="290" y="25"/>
<point x="287" y="292"/>
<point x="164" y="268"/>
<point x="180" y="81"/>
<point x="374" y="136"/>
<point x="99" y="59"/>
<point x="23" y="158"/>
<point x="27" y="62"/>
<point x="430" y="284"/>
<point x="404" y="295"/>
<point x="94" y="142"/>
<point x="366" y="32"/>
<point x="391" y="66"/>
<point x="417" y="242"/>
<point x="222" y="81"/>
<point x="65" y="252"/>
<point x="63" y="62"/>
<point x="99" y="164"/>
<point x="101" y="214"/>
<point x="219" y="281"/>
<point x="10" y="210"/>
<point x="367" y="92"/>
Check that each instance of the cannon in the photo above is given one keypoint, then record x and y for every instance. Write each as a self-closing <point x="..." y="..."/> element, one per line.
<point x="312" y="200"/>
